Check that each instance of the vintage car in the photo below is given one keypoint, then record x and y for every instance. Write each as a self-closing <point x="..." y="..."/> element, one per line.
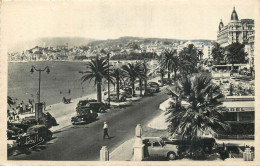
<point x="202" y="144"/>
<point x="35" y="135"/>
<point x="97" y="107"/>
<point x="84" y="102"/>
<point x="154" y="85"/>
<point x="26" y="122"/>
<point x="128" y="91"/>
<point x="12" y="131"/>
<point x="48" y="120"/>
<point x="113" y="97"/>
<point x="84" y="117"/>
<point x="156" y="146"/>
<point x="149" y="90"/>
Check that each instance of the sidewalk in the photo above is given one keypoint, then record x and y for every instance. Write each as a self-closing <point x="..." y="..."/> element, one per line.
<point x="124" y="152"/>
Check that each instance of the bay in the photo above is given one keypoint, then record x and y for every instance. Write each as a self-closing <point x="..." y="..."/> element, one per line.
<point x="64" y="80"/>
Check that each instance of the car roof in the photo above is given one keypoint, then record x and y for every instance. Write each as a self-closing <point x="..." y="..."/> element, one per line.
<point x="152" y="138"/>
<point x="38" y="126"/>
<point x="94" y="102"/>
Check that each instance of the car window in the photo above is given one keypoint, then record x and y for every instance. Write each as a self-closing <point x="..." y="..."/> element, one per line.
<point x="156" y="144"/>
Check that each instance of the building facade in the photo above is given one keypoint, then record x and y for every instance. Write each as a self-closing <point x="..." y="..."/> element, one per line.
<point x="235" y="31"/>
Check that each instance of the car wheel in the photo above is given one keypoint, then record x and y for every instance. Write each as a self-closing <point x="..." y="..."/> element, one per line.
<point x="123" y="99"/>
<point x="102" y="110"/>
<point x="137" y="88"/>
<point x="171" y="156"/>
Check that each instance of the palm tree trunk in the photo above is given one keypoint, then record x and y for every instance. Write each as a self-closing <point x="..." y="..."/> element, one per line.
<point x="145" y="87"/>
<point x="140" y="85"/>
<point x="117" y="89"/>
<point x="133" y="88"/>
<point x="99" y="93"/>
<point x="162" y="80"/>
<point x="175" y="74"/>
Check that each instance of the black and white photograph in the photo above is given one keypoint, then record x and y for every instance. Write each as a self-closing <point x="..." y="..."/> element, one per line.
<point x="130" y="81"/>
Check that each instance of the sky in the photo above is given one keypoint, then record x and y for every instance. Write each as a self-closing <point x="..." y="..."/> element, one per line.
<point x="106" y="19"/>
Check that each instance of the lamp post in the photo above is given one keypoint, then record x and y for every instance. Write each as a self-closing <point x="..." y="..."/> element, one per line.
<point x="108" y="85"/>
<point x="37" y="109"/>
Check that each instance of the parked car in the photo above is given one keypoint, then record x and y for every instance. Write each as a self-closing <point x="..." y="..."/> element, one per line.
<point x="48" y="120"/>
<point x="149" y="90"/>
<point x="35" y="135"/>
<point x="203" y="144"/>
<point x="156" y="146"/>
<point x="12" y="131"/>
<point x="26" y="123"/>
<point x="154" y="85"/>
<point x="113" y="96"/>
<point x="98" y="107"/>
<point x="128" y="90"/>
<point x="84" y="102"/>
<point x="165" y="81"/>
<point x="84" y="117"/>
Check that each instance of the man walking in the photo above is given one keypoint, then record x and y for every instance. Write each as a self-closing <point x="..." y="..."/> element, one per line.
<point x="105" y="131"/>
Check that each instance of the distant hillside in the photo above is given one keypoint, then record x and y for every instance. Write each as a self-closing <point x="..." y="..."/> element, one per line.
<point x="80" y="41"/>
<point x="50" y="41"/>
<point x="125" y="40"/>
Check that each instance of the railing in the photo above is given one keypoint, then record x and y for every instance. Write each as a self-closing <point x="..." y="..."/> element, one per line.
<point x="220" y="136"/>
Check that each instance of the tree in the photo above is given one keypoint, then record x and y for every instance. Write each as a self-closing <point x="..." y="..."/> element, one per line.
<point x="236" y="54"/>
<point x="118" y="75"/>
<point x="217" y="53"/>
<point x="97" y="69"/>
<point x="10" y="101"/>
<point x="145" y="77"/>
<point x="162" y="73"/>
<point x="132" y="71"/>
<point x="188" y="59"/>
<point x="200" y="55"/>
<point x="170" y="61"/>
<point x="201" y="114"/>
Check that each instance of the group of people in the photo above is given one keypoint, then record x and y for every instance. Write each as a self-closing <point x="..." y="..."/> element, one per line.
<point x="21" y="108"/>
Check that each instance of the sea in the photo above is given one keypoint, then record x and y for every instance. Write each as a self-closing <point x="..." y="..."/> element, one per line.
<point x="64" y="80"/>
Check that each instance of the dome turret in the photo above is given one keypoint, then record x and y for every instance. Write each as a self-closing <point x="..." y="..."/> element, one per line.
<point x="221" y="25"/>
<point x="234" y="16"/>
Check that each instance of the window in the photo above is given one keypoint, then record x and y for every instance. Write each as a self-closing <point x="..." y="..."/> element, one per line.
<point x="156" y="144"/>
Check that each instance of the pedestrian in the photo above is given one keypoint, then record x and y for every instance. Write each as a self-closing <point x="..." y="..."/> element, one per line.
<point x="13" y="114"/>
<point x="105" y="131"/>
<point x="21" y="108"/>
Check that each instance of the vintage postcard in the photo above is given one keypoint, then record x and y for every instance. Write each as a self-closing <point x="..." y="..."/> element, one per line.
<point x="136" y="82"/>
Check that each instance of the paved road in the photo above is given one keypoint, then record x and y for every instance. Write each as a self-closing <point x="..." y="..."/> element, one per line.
<point x="83" y="142"/>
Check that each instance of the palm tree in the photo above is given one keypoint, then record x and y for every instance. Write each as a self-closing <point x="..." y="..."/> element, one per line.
<point x="162" y="73"/>
<point x="170" y="61"/>
<point x="132" y="71"/>
<point x="217" y="53"/>
<point x="145" y="76"/>
<point x="97" y="69"/>
<point x="201" y="115"/>
<point x="236" y="54"/>
<point x="10" y="101"/>
<point x="118" y="75"/>
<point x="188" y="58"/>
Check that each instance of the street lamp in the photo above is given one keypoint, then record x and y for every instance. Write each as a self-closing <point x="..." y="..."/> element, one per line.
<point x="108" y="85"/>
<point x="38" y="107"/>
